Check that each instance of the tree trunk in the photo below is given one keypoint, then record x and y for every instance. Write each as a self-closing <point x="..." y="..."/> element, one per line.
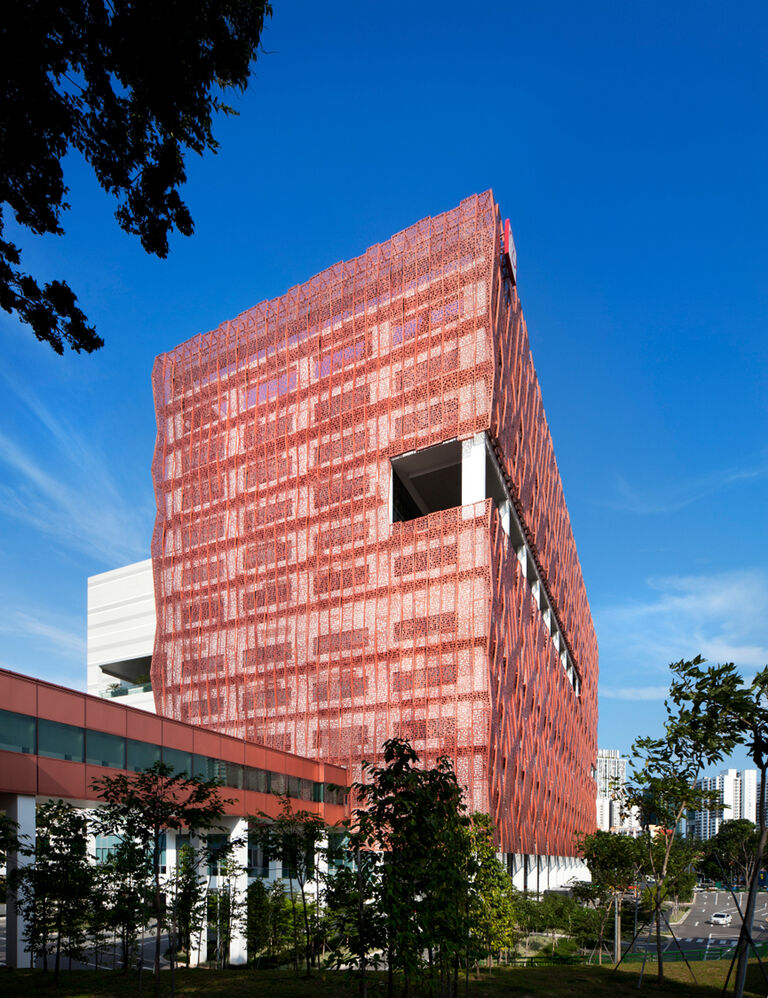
<point x="59" y="919"/>
<point x="361" y="924"/>
<point x="158" y="915"/>
<point x="173" y="950"/>
<point x="306" y="926"/>
<point x="295" y="930"/>
<point x="749" y="914"/>
<point x="659" y="957"/>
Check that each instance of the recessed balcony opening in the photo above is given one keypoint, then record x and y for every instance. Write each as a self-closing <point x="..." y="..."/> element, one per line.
<point x="133" y="671"/>
<point x="426" y="481"/>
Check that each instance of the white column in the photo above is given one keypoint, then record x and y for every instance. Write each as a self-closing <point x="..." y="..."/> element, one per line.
<point x="170" y="869"/>
<point x="473" y="470"/>
<point x="20" y="809"/>
<point x="518" y="861"/>
<point x="170" y="852"/>
<point x="238" y="953"/>
<point x="522" y="557"/>
<point x="505" y="512"/>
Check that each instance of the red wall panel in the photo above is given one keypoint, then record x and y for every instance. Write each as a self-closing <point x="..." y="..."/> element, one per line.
<point x="290" y="609"/>
<point x="19" y="694"/>
<point x="18" y="773"/>
<point x="56" y="704"/>
<point x="100" y="715"/>
<point x="58" y="778"/>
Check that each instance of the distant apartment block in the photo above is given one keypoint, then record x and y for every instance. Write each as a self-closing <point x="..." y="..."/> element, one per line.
<point x="611" y="777"/>
<point x="738" y="799"/>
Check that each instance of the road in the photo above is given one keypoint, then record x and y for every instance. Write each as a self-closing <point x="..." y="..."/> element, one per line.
<point x="696" y="933"/>
<point x="109" y="959"/>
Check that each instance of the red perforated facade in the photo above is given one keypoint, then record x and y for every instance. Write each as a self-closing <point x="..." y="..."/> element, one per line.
<point x="291" y="610"/>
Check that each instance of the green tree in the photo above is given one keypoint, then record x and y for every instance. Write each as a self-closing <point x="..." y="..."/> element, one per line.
<point x="417" y="819"/>
<point x="257" y="919"/>
<point x="226" y="904"/>
<point x="558" y="912"/>
<point x="734" y="847"/>
<point x="269" y="921"/>
<point x="353" y="887"/>
<point x="186" y="890"/>
<point x="126" y="883"/>
<point x="738" y="713"/>
<point x="750" y="713"/>
<point x="293" y="837"/>
<point x="54" y="892"/>
<point x="142" y="807"/>
<point x="99" y="920"/>
<point x="491" y="914"/>
<point x="9" y="838"/>
<point x="614" y="863"/>
<point x="130" y="86"/>
<point x="698" y="733"/>
<point x="525" y="909"/>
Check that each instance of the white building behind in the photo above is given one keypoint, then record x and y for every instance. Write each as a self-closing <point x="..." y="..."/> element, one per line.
<point x="738" y="799"/>
<point x="121" y="634"/>
<point x="611" y="777"/>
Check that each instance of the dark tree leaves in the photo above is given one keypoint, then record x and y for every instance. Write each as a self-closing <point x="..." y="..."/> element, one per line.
<point x="131" y="86"/>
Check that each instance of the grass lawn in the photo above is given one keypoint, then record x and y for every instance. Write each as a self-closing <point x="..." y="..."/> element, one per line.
<point x="547" y="982"/>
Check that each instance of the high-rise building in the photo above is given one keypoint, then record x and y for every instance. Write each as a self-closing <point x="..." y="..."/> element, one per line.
<point x="611" y="771"/>
<point x="361" y="531"/>
<point x="738" y="799"/>
<point x="611" y="777"/>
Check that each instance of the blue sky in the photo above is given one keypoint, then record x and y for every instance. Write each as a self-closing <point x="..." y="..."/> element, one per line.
<point x="627" y="144"/>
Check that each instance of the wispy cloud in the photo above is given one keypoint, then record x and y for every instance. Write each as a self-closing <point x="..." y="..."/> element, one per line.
<point x="671" y="497"/>
<point x="71" y="642"/>
<point x="723" y="616"/>
<point x="65" y="637"/>
<point x="71" y="494"/>
<point x="633" y="692"/>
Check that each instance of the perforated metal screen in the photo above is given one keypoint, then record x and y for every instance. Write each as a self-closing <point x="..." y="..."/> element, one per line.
<point x="291" y="610"/>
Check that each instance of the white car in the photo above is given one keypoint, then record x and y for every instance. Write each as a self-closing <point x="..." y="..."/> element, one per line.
<point x="721" y="918"/>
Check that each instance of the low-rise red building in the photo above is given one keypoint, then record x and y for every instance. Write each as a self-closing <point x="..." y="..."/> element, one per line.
<point x="55" y="741"/>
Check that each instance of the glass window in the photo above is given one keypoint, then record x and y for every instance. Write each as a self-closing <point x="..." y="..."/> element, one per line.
<point x="102" y="749"/>
<point x="234" y="775"/>
<point x="17" y="732"/>
<point x="337" y="854"/>
<point x="162" y="842"/>
<point x="288" y="873"/>
<point x="104" y="845"/>
<point x="142" y="755"/>
<point x="277" y="783"/>
<point x="180" y="762"/>
<point x="258" y="864"/>
<point x="257" y="779"/>
<point x="317" y="792"/>
<point x="209" y="769"/>
<point x="60" y="741"/>
<point x="293" y="786"/>
<point x="218" y="848"/>
<point x="334" y="794"/>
